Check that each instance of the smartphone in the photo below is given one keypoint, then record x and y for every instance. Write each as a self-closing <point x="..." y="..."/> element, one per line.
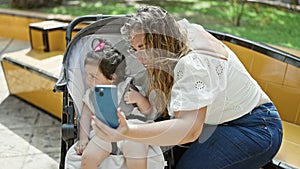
<point x="106" y="103"/>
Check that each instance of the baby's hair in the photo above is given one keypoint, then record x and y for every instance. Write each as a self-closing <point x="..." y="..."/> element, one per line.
<point x="108" y="59"/>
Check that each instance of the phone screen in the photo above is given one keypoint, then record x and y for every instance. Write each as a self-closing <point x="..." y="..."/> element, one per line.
<point x="106" y="103"/>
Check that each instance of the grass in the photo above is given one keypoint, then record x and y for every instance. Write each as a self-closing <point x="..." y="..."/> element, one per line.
<point x="259" y="23"/>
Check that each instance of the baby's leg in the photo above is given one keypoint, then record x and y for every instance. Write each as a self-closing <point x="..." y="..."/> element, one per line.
<point x="94" y="153"/>
<point x="135" y="154"/>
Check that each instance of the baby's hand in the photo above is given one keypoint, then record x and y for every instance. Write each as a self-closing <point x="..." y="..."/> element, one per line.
<point x="81" y="146"/>
<point x="131" y="96"/>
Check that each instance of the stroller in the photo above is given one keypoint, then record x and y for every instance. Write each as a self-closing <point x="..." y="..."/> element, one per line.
<point x="72" y="78"/>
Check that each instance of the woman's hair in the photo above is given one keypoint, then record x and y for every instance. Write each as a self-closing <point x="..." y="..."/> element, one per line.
<point x="164" y="42"/>
<point x="108" y="59"/>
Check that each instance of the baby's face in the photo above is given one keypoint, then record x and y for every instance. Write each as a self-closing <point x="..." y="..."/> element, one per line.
<point x="95" y="76"/>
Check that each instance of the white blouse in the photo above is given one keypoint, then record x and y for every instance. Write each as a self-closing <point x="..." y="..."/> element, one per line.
<point x="205" y="77"/>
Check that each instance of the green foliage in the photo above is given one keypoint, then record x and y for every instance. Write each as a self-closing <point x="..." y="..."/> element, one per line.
<point x="4" y="6"/>
<point x="266" y="25"/>
<point x="86" y="8"/>
<point x="258" y="23"/>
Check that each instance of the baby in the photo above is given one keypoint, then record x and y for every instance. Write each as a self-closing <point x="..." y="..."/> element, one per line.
<point x="105" y="65"/>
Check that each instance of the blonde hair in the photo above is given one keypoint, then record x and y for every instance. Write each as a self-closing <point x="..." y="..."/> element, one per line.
<point x="165" y="43"/>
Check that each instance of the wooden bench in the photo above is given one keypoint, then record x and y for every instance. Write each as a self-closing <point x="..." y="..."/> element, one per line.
<point x="289" y="154"/>
<point x="31" y="73"/>
<point x="278" y="73"/>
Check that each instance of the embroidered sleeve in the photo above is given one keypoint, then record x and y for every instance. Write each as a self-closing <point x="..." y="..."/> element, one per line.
<point x="197" y="81"/>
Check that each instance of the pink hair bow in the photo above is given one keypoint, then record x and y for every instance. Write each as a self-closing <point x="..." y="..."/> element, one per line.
<point x="99" y="47"/>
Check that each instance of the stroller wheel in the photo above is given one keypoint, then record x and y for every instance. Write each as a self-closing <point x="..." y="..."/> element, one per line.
<point x="68" y="131"/>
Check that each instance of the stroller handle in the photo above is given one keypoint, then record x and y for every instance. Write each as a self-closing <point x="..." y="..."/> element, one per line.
<point x="80" y="19"/>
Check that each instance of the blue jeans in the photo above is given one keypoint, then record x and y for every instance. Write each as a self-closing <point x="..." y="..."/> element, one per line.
<point x="248" y="142"/>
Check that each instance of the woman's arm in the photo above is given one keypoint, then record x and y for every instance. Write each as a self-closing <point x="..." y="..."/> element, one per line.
<point x="186" y="127"/>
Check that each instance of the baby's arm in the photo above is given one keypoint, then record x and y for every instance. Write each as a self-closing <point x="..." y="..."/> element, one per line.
<point x="85" y="124"/>
<point x="134" y="97"/>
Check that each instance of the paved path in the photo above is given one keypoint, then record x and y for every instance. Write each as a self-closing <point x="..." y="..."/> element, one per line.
<point x="29" y="137"/>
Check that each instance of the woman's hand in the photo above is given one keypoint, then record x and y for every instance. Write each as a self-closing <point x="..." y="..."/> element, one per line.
<point x="109" y="134"/>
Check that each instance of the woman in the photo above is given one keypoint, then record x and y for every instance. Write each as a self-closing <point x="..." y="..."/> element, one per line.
<point x="218" y="110"/>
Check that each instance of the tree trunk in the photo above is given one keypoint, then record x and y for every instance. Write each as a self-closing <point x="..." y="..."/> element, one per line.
<point x="238" y="9"/>
<point x="240" y="13"/>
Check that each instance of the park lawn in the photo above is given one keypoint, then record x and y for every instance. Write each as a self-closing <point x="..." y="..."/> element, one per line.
<point x="258" y="23"/>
